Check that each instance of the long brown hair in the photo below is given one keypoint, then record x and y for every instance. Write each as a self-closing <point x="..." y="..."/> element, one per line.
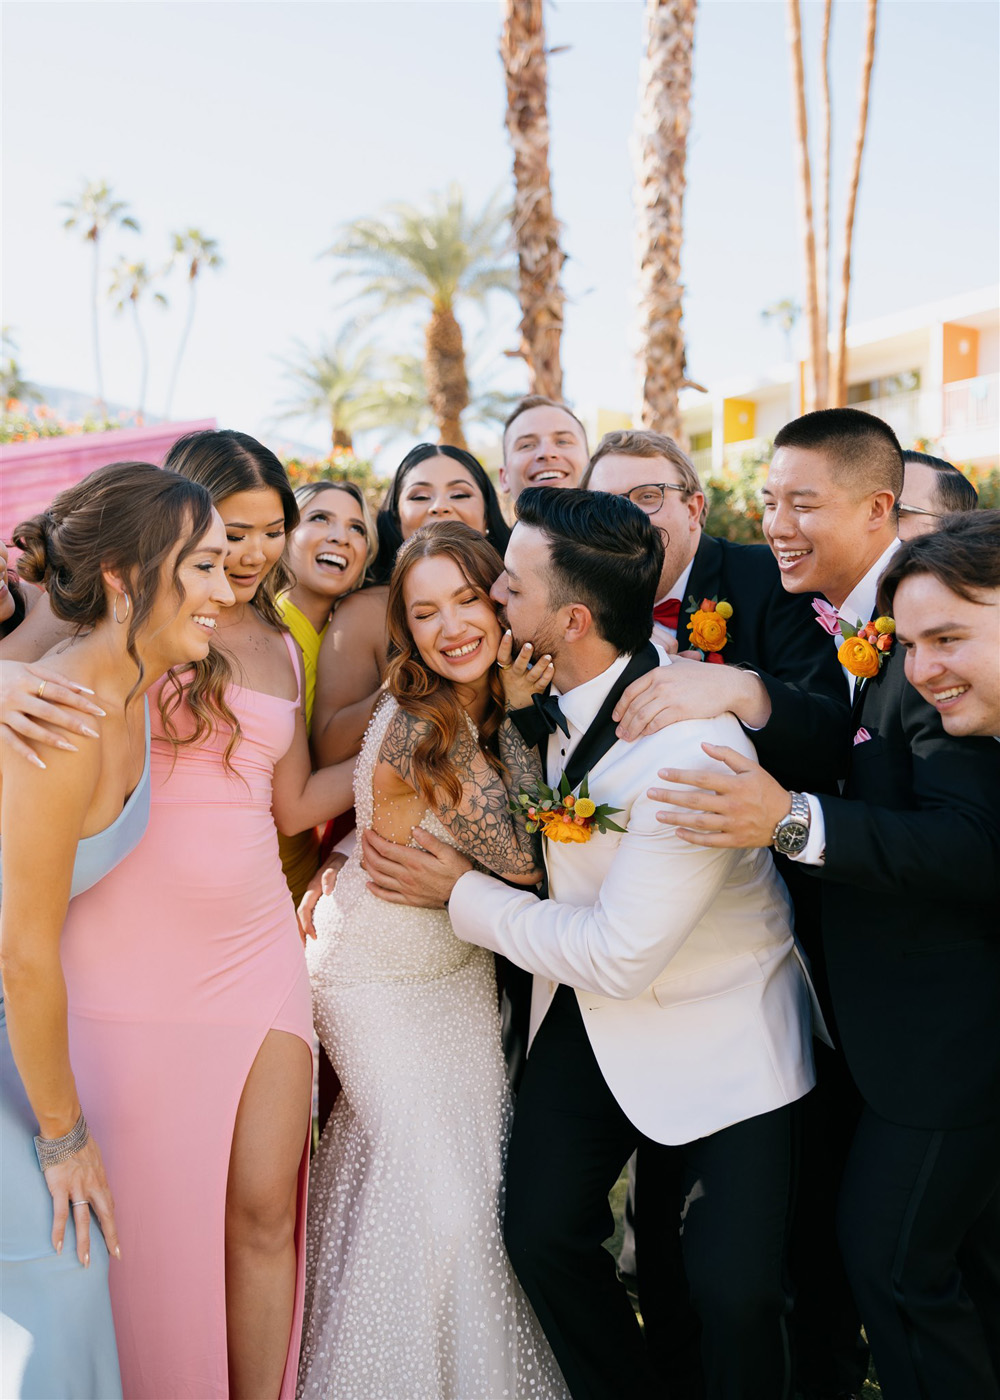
<point x="126" y="517"/>
<point x="225" y="462"/>
<point x="420" y="691"/>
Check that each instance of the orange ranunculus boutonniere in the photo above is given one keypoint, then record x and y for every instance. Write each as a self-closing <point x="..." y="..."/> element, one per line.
<point x="865" y="647"/>
<point x="562" y="815"/>
<point x="708" y="628"/>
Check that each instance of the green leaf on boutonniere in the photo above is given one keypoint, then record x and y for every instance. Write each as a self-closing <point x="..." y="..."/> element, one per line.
<point x="846" y="630"/>
<point x="585" y="786"/>
<point x="564" y="787"/>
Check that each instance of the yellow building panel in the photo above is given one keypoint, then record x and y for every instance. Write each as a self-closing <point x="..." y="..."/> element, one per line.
<point x="610" y="421"/>
<point x="739" y="420"/>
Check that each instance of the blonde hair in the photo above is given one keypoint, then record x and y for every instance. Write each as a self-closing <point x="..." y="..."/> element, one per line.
<point x="635" y="442"/>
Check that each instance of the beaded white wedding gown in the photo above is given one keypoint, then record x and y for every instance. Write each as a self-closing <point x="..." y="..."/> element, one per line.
<point x="409" y="1292"/>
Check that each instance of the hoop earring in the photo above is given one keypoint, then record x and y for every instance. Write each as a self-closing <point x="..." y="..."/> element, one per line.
<point x="128" y="607"/>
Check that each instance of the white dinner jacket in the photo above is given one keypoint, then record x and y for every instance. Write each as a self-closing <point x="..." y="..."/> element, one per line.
<point x="682" y="957"/>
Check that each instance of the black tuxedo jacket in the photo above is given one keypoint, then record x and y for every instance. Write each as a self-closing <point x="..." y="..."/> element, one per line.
<point x="776" y="634"/>
<point x="910" y="889"/>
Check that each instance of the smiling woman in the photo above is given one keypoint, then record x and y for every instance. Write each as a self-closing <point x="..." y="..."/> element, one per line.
<point x="410" y="1291"/>
<point x="132" y="561"/>
<point x="329" y="553"/>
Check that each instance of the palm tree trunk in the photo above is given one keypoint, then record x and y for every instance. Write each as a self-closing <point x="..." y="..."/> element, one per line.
<point x="181" y="347"/>
<point x="95" y="319"/>
<point x="823" y="386"/>
<point x="840" y="345"/>
<point x="659" y="153"/>
<point x="444" y="371"/>
<point x="143" y="358"/>
<point x="536" y="229"/>
<point x="340" y="438"/>
<point x="816" y="350"/>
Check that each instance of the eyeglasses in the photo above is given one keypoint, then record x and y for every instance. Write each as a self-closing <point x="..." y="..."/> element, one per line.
<point x="649" y="497"/>
<point x="919" y="510"/>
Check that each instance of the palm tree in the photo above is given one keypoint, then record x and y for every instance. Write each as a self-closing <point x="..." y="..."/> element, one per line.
<point x="436" y="256"/>
<point x="536" y="229"/>
<point x="786" y="312"/>
<point x="660" y="152"/>
<point x="839" y="372"/>
<point x="194" y="252"/>
<point x="130" y="281"/>
<point x="826" y="384"/>
<point x="404" y="403"/>
<point x="93" y="211"/>
<point x="339" y="384"/>
<point x="12" y="384"/>
<point x="823" y="229"/>
<point x="816" y="345"/>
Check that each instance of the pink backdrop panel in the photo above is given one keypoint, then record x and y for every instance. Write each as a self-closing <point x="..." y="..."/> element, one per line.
<point x="31" y="473"/>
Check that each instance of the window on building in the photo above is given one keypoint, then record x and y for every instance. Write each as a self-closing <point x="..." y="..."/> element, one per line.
<point x="890" y="386"/>
<point x="701" y="442"/>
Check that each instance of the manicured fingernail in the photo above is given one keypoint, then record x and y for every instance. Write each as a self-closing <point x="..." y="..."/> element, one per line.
<point x="70" y="748"/>
<point x="99" y="711"/>
<point x="59" y="1247"/>
<point x="117" y="1251"/>
<point x="90" y="733"/>
<point x="86" y="1261"/>
<point x="83" y="690"/>
<point x="36" y="760"/>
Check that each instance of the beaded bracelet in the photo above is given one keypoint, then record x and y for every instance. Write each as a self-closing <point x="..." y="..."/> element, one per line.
<point x="52" y="1151"/>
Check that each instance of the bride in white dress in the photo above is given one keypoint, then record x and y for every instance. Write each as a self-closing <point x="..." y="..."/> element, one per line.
<point x="409" y="1292"/>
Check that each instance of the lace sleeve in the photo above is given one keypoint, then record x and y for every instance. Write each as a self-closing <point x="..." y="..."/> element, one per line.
<point x="481" y="822"/>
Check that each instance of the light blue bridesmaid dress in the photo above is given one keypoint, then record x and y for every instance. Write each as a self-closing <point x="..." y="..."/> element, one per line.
<point x="57" y="1339"/>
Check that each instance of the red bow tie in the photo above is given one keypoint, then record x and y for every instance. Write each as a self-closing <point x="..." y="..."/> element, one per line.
<point x="668" y="613"/>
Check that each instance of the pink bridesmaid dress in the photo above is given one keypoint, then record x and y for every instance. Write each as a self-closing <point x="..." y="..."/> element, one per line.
<point x="198" y="957"/>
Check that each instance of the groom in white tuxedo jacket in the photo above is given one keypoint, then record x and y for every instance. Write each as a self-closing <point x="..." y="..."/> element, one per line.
<point x="669" y="1004"/>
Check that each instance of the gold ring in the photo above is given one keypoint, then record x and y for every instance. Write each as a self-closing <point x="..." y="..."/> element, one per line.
<point x="41" y="687"/>
<point x="502" y="667"/>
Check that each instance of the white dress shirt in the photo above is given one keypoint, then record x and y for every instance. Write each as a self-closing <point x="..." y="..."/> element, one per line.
<point x="857" y="607"/>
<point x="580" y="706"/>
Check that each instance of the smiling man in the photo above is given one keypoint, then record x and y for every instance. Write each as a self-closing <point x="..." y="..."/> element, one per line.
<point x="544" y="444"/>
<point x="908" y="859"/>
<point x="944" y="592"/>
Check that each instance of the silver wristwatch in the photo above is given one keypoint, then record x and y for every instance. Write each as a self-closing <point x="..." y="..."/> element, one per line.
<point x="792" y="832"/>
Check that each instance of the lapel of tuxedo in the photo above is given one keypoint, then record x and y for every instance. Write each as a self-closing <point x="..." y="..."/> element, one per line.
<point x="601" y="734"/>
<point x="705" y="578"/>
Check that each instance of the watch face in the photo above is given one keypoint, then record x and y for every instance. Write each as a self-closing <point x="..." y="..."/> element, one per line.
<point x="791" y="838"/>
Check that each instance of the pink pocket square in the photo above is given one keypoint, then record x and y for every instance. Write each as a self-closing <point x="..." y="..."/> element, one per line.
<point x="862" y="736"/>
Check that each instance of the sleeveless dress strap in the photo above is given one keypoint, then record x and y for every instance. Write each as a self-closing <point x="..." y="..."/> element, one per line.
<point x="293" y="652"/>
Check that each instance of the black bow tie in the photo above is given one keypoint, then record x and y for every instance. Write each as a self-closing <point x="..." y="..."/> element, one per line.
<point x="550" y="713"/>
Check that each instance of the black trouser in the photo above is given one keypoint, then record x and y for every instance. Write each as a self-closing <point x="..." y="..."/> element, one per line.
<point x="919" y="1225"/>
<point x="569" y="1143"/>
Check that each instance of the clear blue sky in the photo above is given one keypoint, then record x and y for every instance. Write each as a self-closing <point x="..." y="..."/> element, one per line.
<point x="269" y="124"/>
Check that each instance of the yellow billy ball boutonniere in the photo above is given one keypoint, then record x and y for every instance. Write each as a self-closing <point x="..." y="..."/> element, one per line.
<point x="562" y="815"/>
<point x="708" y="629"/>
<point x="865" y="647"/>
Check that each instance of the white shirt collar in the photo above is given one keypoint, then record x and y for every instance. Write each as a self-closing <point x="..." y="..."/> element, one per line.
<point x="859" y="604"/>
<point x="680" y="586"/>
<point x="581" y="704"/>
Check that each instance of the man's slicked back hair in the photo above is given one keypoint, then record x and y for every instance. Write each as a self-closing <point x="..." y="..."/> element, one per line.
<point x="605" y="553"/>
<point x="954" y="491"/>
<point x="863" y="450"/>
<point x="964" y="555"/>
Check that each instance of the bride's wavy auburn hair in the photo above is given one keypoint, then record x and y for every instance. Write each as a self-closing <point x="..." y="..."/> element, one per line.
<point x="420" y="691"/>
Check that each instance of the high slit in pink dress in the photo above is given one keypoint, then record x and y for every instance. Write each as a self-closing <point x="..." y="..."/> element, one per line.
<point x="198" y="958"/>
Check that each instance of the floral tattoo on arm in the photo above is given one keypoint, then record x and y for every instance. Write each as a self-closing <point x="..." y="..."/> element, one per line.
<point x="481" y="822"/>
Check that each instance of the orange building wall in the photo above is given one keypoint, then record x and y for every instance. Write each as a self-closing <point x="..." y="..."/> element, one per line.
<point x="960" y="352"/>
